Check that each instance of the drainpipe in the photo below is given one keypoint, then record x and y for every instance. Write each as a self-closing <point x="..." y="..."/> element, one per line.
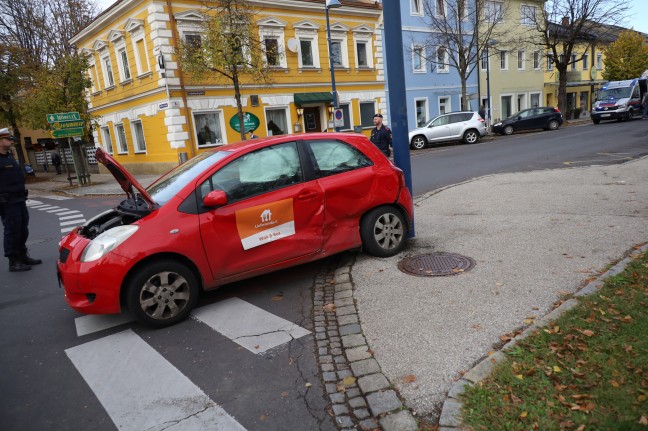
<point x="174" y="42"/>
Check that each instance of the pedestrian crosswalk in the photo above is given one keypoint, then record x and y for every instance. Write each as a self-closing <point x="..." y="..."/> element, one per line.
<point x="68" y="218"/>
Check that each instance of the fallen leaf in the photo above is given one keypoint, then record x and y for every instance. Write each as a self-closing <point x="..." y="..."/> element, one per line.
<point x="284" y="394"/>
<point x="349" y="380"/>
<point x="308" y="385"/>
<point x="643" y="420"/>
<point x="410" y="378"/>
<point x="614" y="383"/>
<point x="256" y="347"/>
<point x="329" y="308"/>
<point x="524" y="414"/>
<point x="627" y="319"/>
<point x="581" y="428"/>
<point x="456" y="270"/>
<point x="520" y="376"/>
<point x="556" y="369"/>
<point x="278" y="297"/>
<point x="264" y="417"/>
<point x="587" y="332"/>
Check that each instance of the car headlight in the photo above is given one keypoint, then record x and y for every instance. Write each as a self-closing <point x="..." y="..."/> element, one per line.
<point x="106" y="242"/>
<point x="497" y="124"/>
<point x="622" y="106"/>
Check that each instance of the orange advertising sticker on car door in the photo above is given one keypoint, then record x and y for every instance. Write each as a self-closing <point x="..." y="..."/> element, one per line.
<point x="265" y="223"/>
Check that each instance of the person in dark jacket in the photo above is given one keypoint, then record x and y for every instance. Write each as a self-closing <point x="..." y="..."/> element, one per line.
<point x="13" y="207"/>
<point x="56" y="161"/>
<point x="381" y="135"/>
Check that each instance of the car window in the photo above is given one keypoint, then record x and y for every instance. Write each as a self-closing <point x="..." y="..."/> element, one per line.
<point x="441" y="121"/>
<point x="457" y="118"/>
<point x="525" y="114"/>
<point x="467" y="116"/>
<point x="333" y="157"/>
<point x="260" y="171"/>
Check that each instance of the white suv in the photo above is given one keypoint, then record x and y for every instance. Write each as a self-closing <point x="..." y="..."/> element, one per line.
<point x="466" y="126"/>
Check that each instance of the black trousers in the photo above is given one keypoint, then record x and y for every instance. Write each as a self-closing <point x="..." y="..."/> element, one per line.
<point x="15" y="219"/>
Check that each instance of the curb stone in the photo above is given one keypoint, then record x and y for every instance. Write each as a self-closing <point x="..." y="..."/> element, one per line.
<point x="360" y="394"/>
<point x="450" y="419"/>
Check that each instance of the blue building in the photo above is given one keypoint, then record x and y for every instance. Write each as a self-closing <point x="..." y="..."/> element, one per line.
<point x="433" y="85"/>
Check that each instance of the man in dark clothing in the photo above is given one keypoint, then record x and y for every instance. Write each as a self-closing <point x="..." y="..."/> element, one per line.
<point x="13" y="208"/>
<point x="381" y="136"/>
<point x="56" y="161"/>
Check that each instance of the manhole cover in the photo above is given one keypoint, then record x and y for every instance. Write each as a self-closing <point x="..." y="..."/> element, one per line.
<point x="436" y="264"/>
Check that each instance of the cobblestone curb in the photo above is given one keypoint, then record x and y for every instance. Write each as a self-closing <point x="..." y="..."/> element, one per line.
<point x="361" y="396"/>
<point x="450" y="419"/>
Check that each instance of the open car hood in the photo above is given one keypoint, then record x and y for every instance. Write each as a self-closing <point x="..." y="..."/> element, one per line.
<point x="127" y="182"/>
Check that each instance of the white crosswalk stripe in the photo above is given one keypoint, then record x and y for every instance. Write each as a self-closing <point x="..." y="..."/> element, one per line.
<point x="68" y="219"/>
<point x="76" y="222"/>
<point x="141" y="390"/>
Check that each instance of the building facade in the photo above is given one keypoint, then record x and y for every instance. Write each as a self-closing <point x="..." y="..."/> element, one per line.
<point x="150" y="114"/>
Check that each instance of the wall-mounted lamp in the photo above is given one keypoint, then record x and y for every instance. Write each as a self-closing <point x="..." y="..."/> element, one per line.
<point x="300" y="112"/>
<point x="331" y="110"/>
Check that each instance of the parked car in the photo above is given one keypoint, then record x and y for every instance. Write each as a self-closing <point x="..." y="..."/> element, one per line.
<point x="535" y="118"/>
<point x="466" y="126"/>
<point x="231" y="213"/>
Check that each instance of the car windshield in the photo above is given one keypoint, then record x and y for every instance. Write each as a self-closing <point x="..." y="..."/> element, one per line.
<point x="615" y="93"/>
<point x="172" y="182"/>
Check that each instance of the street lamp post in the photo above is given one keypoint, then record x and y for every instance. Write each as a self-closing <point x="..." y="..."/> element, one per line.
<point x="332" y="4"/>
<point x="488" y="96"/>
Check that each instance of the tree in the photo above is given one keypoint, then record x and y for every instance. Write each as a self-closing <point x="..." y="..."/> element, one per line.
<point x="567" y="27"/>
<point x="626" y="58"/>
<point x="453" y="40"/>
<point x="229" y="49"/>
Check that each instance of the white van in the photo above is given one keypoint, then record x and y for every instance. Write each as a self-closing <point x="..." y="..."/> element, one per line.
<point x="619" y="100"/>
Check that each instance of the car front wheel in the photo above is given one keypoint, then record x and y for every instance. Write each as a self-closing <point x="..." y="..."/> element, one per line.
<point x="383" y="231"/>
<point x="508" y="130"/>
<point x="419" y="142"/>
<point x="471" y="136"/>
<point x="553" y="125"/>
<point x="162" y="293"/>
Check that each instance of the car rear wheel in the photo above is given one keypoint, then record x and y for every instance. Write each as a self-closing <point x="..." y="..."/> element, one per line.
<point x="383" y="231"/>
<point x="553" y="125"/>
<point x="471" y="136"/>
<point x="162" y="293"/>
<point x="419" y="142"/>
<point x="508" y="130"/>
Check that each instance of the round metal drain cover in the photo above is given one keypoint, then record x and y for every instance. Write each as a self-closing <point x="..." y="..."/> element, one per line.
<point x="436" y="264"/>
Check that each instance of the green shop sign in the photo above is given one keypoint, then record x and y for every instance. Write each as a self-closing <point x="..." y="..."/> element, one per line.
<point x="250" y="122"/>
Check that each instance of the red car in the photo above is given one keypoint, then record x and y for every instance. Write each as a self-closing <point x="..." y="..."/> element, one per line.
<point x="232" y="213"/>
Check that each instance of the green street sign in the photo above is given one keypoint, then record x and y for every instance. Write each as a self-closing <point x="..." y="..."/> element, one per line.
<point x="67" y="133"/>
<point x="63" y="125"/>
<point x="250" y="122"/>
<point x="63" y="116"/>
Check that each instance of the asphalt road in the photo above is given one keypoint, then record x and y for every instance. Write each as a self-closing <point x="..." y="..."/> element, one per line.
<point x="49" y="380"/>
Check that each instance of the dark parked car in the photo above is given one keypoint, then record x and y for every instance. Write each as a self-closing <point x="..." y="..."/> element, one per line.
<point x="535" y="118"/>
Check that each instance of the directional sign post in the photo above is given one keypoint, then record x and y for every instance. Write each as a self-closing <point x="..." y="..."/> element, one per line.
<point x="64" y="116"/>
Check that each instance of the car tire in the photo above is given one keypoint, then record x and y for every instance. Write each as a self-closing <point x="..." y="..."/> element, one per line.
<point x="162" y="293"/>
<point x="470" y="136"/>
<point x="596" y="121"/>
<point x="553" y="125"/>
<point x="383" y="231"/>
<point x="419" y="142"/>
<point x="507" y="130"/>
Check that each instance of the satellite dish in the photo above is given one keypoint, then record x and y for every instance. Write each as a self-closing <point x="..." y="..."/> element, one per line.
<point x="292" y="44"/>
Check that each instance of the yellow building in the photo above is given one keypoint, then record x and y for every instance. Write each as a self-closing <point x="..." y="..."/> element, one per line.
<point x="150" y="115"/>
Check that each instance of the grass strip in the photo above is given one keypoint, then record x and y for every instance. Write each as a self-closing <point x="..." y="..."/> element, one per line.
<point x="587" y="371"/>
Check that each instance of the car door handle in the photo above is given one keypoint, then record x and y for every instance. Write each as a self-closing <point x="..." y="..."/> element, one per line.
<point x="307" y="194"/>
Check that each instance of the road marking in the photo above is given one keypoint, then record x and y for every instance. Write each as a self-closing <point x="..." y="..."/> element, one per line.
<point x="249" y="326"/>
<point x="68" y="229"/>
<point x="141" y="390"/>
<point x="57" y="211"/>
<point x="98" y="322"/>
<point x="58" y="198"/>
<point x="74" y="222"/>
<point x="75" y="213"/>
<point x="40" y="206"/>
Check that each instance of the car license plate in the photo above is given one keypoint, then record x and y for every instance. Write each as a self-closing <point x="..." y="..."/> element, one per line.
<point x="605" y="115"/>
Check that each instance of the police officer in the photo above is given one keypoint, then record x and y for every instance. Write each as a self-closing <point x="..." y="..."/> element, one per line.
<point x="13" y="208"/>
<point x="381" y="136"/>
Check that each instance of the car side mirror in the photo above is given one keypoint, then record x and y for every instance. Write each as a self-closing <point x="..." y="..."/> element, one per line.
<point x="216" y="198"/>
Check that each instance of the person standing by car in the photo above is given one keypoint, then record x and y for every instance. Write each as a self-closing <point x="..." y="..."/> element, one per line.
<point x="381" y="135"/>
<point x="644" y="102"/>
<point x="13" y="209"/>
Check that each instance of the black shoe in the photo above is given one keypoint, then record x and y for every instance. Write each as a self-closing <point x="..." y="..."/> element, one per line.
<point x="29" y="261"/>
<point x="16" y="265"/>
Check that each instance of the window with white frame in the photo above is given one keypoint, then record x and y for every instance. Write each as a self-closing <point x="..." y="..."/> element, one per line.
<point x="599" y="60"/>
<point x="484" y="59"/>
<point x="306" y="53"/>
<point x="193" y="41"/>
<point x="507" y="106"/>
<point x="140" y="52"/>
<point x="415" y="7"/>
<point x="585" y="61"/>
<point x="536" y="60"/>
<point x="421" y="112"/>
<point x="418" y="58"/>
<point x="503" y="60"/>
<point x="535" y="99"/>
<point x="520" y="60"/>
<point x="124" y="69"/>
<point x="444" y="105"/>
<point x="271" y="31"/>
<point x="346" y="116"/>
<point x="336" y="53"/>
<point x="528" y="15"/>
<point x="439" y="9"/>
<point x="493" y="11"/>
<point x="109" y="80"/>
<point x="462" y="9"/>
<point x="105" y="134"/>
<point x="362" y="38"/>
<point x="277" y="121"/>
<point x="137" y="132"/>
<point x="442" y="60"/>
<point x="574" y="62"/>
<point x="120" y="133"/>
<point x="362" y="58"/>
<point x="550" y="62"/>
<point x="209" y="128"/>
<point x="94" y="82"/>
<point x="367" y="111"/>
<point x="307" y="34"/>
<point x="339" y="45"/>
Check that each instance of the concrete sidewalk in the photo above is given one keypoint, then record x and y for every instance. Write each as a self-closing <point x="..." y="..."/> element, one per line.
<point x="535" y="237"/>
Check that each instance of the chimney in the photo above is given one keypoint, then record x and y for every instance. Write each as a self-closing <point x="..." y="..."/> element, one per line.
<point x="565" y="21"/>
